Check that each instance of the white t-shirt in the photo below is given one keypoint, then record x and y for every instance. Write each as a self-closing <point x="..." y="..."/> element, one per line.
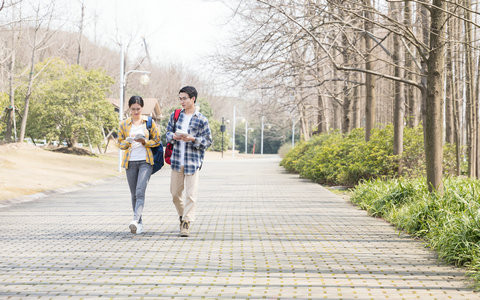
<point x="181" y="144"/>
<point x="139" y="152"/>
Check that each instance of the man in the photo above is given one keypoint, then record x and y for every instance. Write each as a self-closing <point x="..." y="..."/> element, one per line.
<point x="191" y="136"/>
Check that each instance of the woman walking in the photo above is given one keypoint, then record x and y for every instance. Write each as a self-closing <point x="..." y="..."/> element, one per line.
<point x="137" y="142"/>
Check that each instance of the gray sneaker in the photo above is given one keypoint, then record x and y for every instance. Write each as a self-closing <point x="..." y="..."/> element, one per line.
<point x="184" y="229"/>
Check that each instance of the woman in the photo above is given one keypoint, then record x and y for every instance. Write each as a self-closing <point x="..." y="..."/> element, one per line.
<point x="136" y="140"/>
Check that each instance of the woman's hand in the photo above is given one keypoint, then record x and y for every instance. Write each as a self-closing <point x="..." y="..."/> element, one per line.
<point x="140" y="141"/>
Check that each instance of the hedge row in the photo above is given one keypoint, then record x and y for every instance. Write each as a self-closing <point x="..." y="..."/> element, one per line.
<point x="337" y="159"/>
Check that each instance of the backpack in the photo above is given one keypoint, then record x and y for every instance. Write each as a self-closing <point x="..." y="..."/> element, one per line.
<point x="169" y="147"/>
<point x="156" y="151"/>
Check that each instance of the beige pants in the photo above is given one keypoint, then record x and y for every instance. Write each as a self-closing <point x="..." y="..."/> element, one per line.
<point x="184" y="184"/>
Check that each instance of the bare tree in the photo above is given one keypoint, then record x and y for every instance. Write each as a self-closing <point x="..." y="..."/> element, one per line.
<point x="399" y="115"/>
<point x="80" y="31"/>
<point x="41" y="34"/>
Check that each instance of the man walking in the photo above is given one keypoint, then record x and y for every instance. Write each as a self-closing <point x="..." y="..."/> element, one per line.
<point x="191" y="136"/>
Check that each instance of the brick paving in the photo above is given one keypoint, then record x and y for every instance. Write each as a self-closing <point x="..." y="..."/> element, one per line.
<point x="260" y="233"/>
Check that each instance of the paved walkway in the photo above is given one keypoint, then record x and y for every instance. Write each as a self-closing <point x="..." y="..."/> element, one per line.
<point x="260" y="233"/>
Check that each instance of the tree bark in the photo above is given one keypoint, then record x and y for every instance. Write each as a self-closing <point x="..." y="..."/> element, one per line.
<point x="80" y="33"/>
<point x="449" y="93"/>
<point x="412" y="112"/>
<point x="321" y="114"/>
<point x="434" y="98"/>
<point x="12" y="122"/>
<point x="370" y="80"/>
<point x="346" y="126"/>
<point x="399" y="111"/>
<point x="29" y="88"/>
<point x="469" y="95"/>
<point x="356" y="102"/>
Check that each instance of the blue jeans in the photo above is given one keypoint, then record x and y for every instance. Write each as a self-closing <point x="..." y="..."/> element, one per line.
<point x="138" y="174"/>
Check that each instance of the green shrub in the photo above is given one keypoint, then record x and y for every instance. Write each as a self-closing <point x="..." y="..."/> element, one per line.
<point x="338" y="159"/>
<point x="449" y="223"/>
<point x="292" y="157"/>
<point x="284" y="149"/>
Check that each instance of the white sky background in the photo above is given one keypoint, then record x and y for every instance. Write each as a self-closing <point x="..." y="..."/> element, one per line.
<point x="177" y="31"/>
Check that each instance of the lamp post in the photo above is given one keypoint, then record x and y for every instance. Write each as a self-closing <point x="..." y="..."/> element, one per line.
<point x="293" y="132"/>
<point x="123" y="79"/>
<point x="246" y="135"/>
<point x="233" y="134"/>
<point x="222" y="129"/>
<point x="261" y="138"/>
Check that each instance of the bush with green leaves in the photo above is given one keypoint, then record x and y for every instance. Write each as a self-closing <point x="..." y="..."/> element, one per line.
<point x="449" y="223"/>
<point x="69" y="104"/>
<point x="284" y="149"/>
<point x="338" y="159"/>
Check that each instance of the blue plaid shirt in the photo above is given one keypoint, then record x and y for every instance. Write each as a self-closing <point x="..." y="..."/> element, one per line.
<point x="194" y="151"/>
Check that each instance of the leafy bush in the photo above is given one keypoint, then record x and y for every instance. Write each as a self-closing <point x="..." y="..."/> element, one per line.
<point x="449" y="223"/>
<point x="338" y="159"/>
<point x="284" y="149"/>
<point x="292" y="157"/>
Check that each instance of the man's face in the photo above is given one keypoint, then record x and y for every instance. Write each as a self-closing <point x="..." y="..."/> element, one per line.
<point x="186" y="101"/>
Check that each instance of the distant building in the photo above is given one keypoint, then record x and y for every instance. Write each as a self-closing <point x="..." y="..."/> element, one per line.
<point x="150" y="109"/>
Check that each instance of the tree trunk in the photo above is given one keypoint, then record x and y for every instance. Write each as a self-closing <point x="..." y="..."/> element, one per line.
<point x="80" y="34"/>
<point x="434" y="98"/>
<point x="449" y="92"/>
<point x="370" y="105"/>
<point x="412" y="112"/>
<point x="469" y="95"/>
<point x="321" y="120"/>
<point x="346" y="126"/>
<point x="477" y="122"/>
<point x="29" y="90"/>
<point x="356" y="103"/>
<point x="12" y="122"/>
<point x="399" y="111"/>
<point x="456" y="126"/>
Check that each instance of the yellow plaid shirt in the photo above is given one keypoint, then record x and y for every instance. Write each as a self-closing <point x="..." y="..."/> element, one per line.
<point x="153" y="140"/>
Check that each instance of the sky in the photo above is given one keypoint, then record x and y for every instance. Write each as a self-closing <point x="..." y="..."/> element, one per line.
<point x="176" y="31"/>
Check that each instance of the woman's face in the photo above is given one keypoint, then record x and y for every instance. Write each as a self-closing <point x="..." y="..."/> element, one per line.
<point x="135" y="110"/>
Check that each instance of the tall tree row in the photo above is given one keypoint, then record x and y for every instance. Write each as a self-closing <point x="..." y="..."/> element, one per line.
<point x="369" y="63"/>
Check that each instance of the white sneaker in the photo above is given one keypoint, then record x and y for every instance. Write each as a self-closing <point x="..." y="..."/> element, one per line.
<point x="139" y="228"/>
<point x="133" y="227"/>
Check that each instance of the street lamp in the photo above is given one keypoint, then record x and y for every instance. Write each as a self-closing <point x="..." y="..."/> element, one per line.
<point x="293" y="132"/>
<point x="233" y="133"/>
<point x="261" y="136"/>
<point x="144" y="79"/>
<point x="246" y="135"/>
<point x="222" y="129"/>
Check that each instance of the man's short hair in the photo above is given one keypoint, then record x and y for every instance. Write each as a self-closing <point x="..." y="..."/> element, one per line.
<point x="190" y="90"/>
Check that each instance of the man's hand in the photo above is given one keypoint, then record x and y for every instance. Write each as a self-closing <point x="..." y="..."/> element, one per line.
<point x="185" y="138"/>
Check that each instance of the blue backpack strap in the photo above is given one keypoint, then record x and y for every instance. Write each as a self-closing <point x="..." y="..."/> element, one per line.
<point x="149" y="123"/>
